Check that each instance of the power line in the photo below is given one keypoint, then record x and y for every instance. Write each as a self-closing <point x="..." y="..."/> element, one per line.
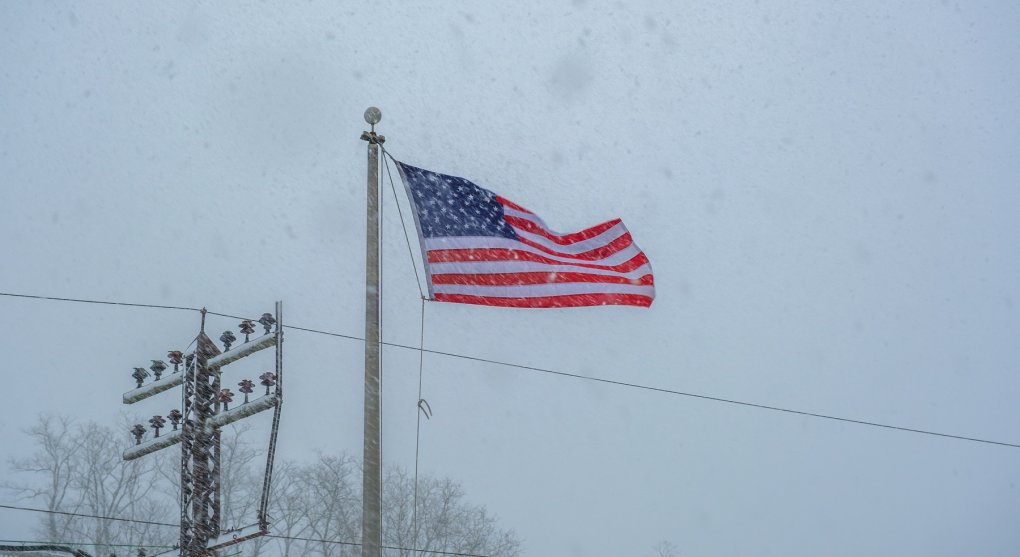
<point x="638" y="386"/>
<point x="156" y="306"/>
<point x="276" y="536"/>
<point x="37" y="547"/>
<point x="83" y="515"/>
<point x="105" y="302"/>
<point x="328" y="333"/>
<point x="84" y="544"/>
<point x="397" y="547"/>
<point x="673" y="392"/>
<point x="115" y="303"/>
<point x="706" y="397"/>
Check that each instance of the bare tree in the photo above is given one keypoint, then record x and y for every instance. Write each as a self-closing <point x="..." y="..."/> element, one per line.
<point x="321" y="502"/>
<point x="331" y="504"/>
<point x="288" y="506"/>
<point x="53" y="460"/>
<point x="241" y="472"/>
<point x="445" y="521"/>
<point x="665" y="548"/>
<point x="79" y="470"/>
<point x="315" y="508"/>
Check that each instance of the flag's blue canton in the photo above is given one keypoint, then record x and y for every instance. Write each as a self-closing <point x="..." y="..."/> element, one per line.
<point x="452" y="206"/>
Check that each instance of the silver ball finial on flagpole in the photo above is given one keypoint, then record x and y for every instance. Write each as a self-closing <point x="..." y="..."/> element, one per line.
<point x="373" y="115"/>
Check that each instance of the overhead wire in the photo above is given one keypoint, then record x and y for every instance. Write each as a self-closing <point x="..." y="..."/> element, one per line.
<point x="86" y="544"/>
<point x="85" y="515"/>
<point x="275" y="536"/>
<point x="157" y="306"/>
<point x="664" y="390"/>
<point x="399" y="548"/>
<point x="618" y="383"/>
<point x="87" y="301"/>
<point x="328" y="333"/>
<point x="38" y="547"/>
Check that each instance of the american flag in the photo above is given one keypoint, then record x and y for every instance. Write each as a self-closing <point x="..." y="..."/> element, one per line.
<point x="480" y="248"/>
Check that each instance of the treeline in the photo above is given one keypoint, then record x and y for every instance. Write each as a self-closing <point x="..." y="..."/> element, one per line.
<point x="315" y="507"/>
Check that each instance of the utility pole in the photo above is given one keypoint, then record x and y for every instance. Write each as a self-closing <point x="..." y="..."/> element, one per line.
<point x="206" y="409"/>
<point x="371" y="520"/>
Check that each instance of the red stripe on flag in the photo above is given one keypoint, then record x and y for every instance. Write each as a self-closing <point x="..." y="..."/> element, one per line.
<point x="573" y="300"/>
<point x="506" y="254"/>
<point x="504" y="201"/>
<point x="515" y="279"/>
<point x="566" y="239"/>
<point x="595" y="254"/>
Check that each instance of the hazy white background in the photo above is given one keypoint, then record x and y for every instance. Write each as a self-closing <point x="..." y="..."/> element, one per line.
<point x="827" y="192"/>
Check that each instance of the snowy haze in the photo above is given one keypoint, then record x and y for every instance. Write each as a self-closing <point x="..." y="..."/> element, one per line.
<point x="827" y="191"/>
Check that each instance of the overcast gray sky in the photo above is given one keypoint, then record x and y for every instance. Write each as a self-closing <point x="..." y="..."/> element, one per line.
<point x="827" y="192"/>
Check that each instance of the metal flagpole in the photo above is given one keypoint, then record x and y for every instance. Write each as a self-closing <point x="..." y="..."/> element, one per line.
<point x="371" y="529"/>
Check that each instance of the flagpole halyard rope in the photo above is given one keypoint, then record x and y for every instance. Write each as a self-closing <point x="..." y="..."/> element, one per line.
<point x="382" y="244"/>
<point x="417" y="433"/>
<point x="403" y="225"/>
